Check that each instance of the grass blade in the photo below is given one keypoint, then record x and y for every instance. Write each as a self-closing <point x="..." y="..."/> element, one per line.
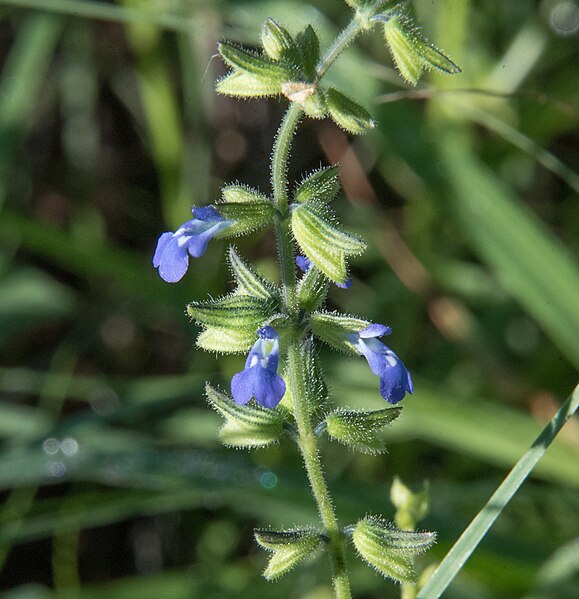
<point x="475" y="532"/>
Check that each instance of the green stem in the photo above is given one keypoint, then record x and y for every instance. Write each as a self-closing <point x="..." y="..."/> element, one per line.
<point x="279" y="164"/>
<point x="309" y="449"/>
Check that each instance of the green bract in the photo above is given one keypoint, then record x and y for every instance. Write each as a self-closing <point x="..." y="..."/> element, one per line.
<point x="288" y="546"/>
<point x="359" y="429"/>
<point x="246" y="208"/>
<point x="325" y="244"/>
<point x="246" y="426"/>
<point x="333" y="328"/>
<point x="388" y="550"/>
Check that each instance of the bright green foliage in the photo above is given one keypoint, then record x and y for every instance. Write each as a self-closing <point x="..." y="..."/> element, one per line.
<point x="246" y="208"/>
<point x="360" y="429"/>
<point x="288" y="546"/>
<point x="390" y="551"/>
<point x="246" y="426"/>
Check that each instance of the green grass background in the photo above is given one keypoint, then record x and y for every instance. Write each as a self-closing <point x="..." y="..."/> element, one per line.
<point x="113" y="482"/>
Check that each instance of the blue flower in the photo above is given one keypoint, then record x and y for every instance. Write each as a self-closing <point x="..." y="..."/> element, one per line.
<point x="259" y="379"/>
<point x="190" y="239"/>
<point x="305" y="264"/>
<point x="395" y="379"/>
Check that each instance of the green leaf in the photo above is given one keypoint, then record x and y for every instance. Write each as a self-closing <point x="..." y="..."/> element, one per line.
<point x="348" y="114"/>
<point x="246" y="426"/>
<point x="247" y="280"/>
<point x="358" y="428"/>
<point x="289" y="548"/>
<point x="530" y="262"/>
<point x="323" y="185"/>
<point x="477" y="529"/>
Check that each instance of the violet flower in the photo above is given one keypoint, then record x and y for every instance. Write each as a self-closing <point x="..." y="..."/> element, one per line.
<point x="259" y="379"/>
<point x="190" y="239"/>
<point x="395" y="380"/>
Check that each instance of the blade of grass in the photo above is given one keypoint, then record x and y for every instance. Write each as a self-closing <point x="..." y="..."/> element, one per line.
<point x="107" y="12"/>
<point x="473" y="535"/>
<point x="530" y="262"/>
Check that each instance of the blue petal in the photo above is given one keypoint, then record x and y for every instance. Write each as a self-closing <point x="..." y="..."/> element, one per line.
<point x="303" y="263"/>
<point x="242" y="385"/>
<point x="206" y="213"/>
<point x="345" y="285"/>
<point x="375" y="330"/>
<point x="395" y="381"/>
<point x="376" y="360"/>
<point x="161" y="245"/>
<point x="172" y="259"/>
<point x="268" y="389"/>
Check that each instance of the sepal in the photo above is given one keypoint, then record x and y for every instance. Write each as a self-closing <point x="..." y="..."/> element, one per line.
<point x="322" y="242"/>
<point x="308" y="45"/>
<point x="289" y="547"/>
<point x="312" y="290"/>
<point x="349" y="115"/>
<point x="410" y="51"/>
<point x="226" y="340"/>
<point x="242" y="194"/>
<point x="323" y="184"/>
<point x="277" y="41"/>
<point x="247" y="280"/>
<point x="334" y="328"/>
<point x="245" y="217"/>
<point x="389" y="550"/>
<point x="233" y="312"/>
<point x="257" y="65"/>
<point x="242" y="84"/>
<point x="410" y="507"/>
<point x="246" y="426"/>
<point x="359" y="429"/>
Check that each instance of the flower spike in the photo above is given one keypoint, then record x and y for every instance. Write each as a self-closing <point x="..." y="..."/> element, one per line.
<point x="190" y="239"/>
<point x="259" y="379"/>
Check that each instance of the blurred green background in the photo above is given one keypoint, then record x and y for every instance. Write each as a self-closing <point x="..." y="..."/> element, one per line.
<point x="113" y="482"/>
